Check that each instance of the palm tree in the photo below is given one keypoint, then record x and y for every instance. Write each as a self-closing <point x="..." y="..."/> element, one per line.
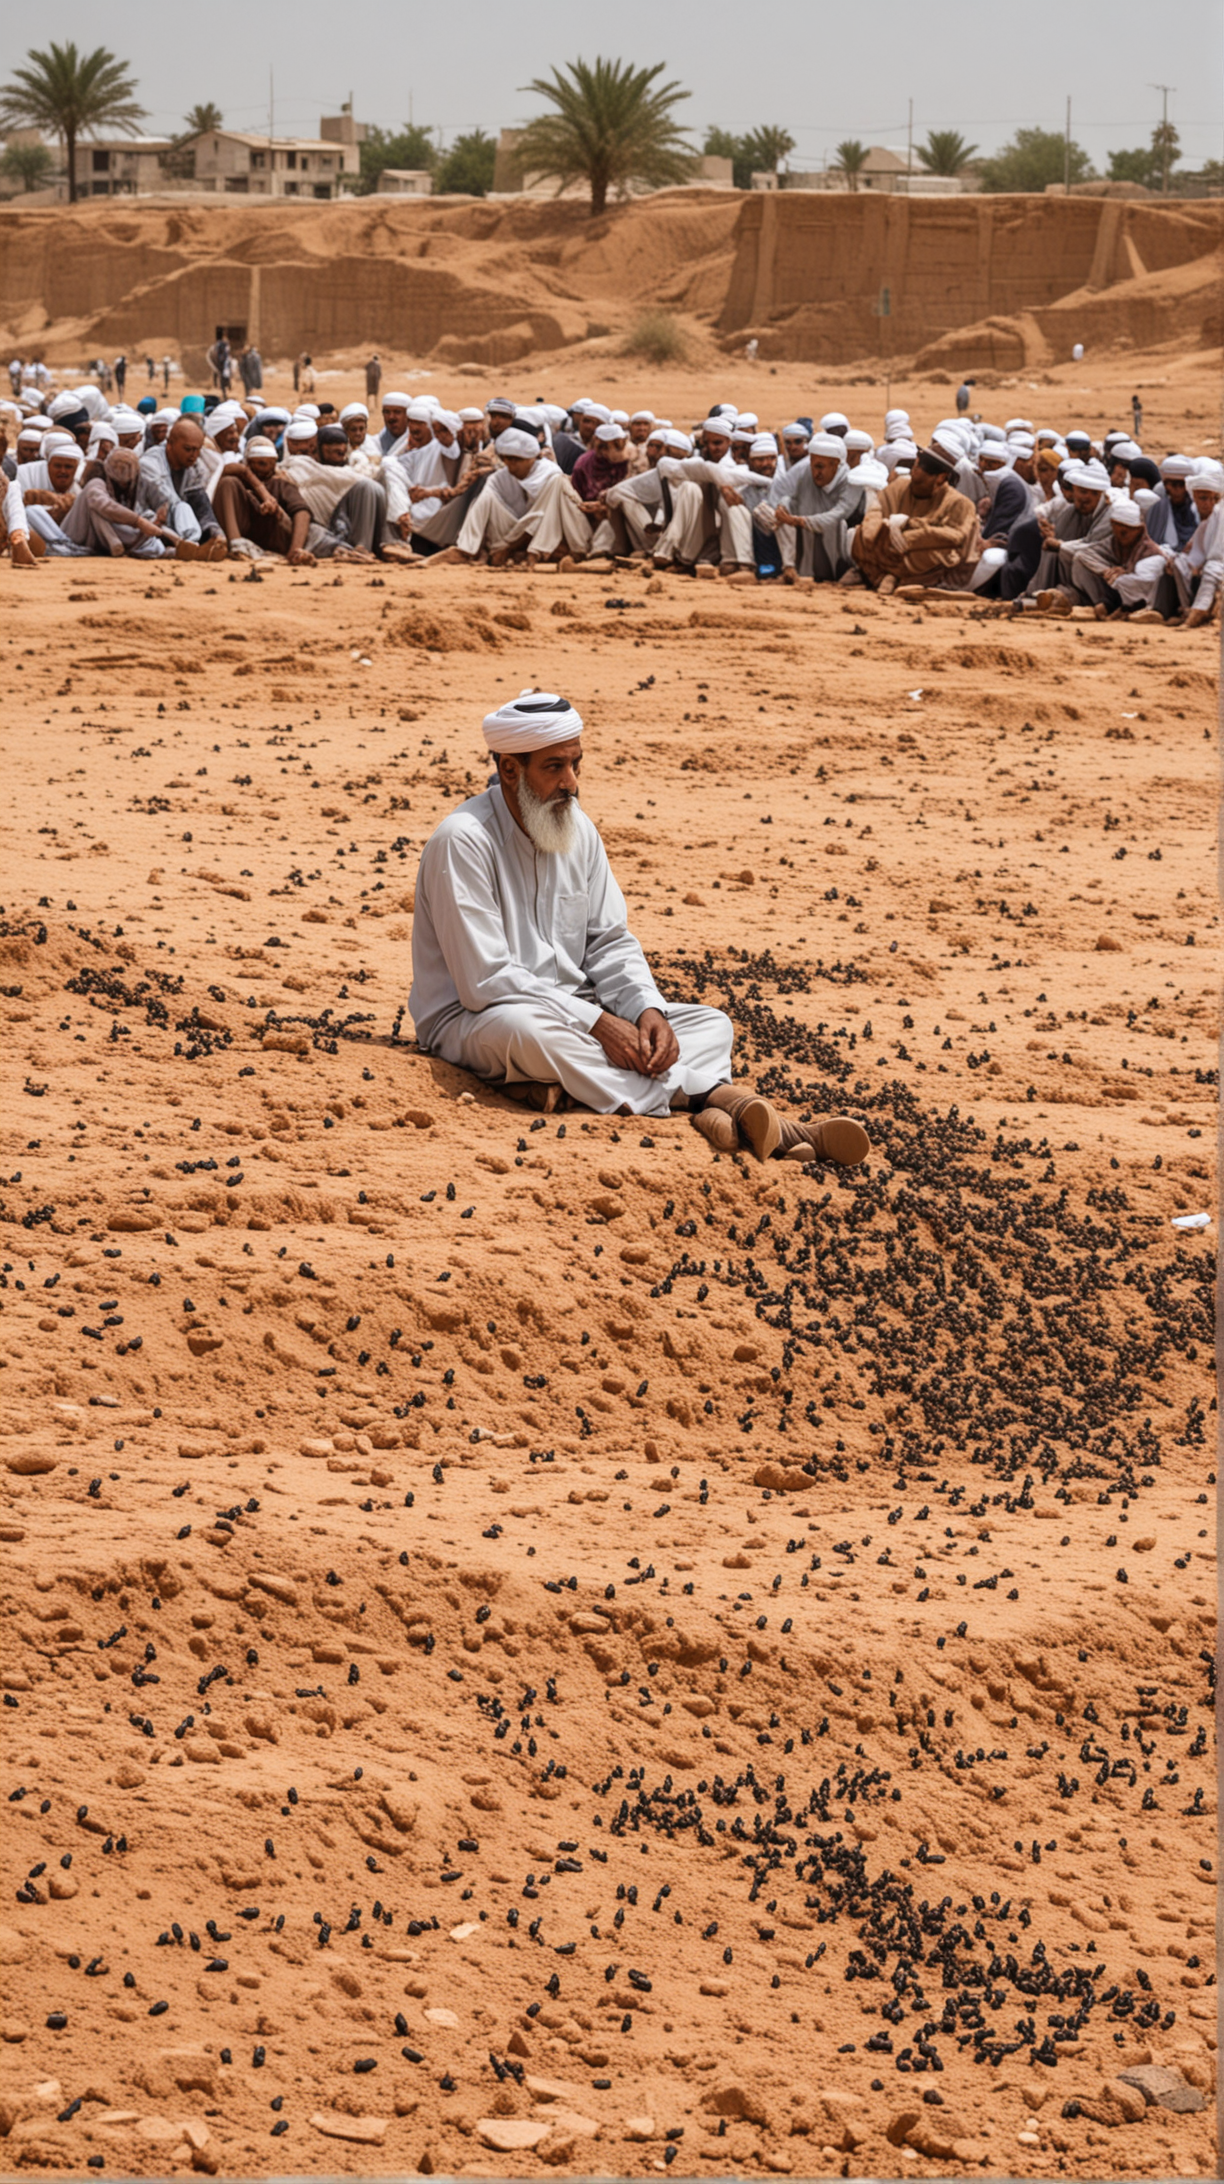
<point x="70" y="94"/>
<point x="203" y="119"/>
<point x="29" y="164"/>
<point x="945" y="151"/>
<point x="610" y="127"/>
<point x="850" y="159"/>
<point x="767" y="147"/>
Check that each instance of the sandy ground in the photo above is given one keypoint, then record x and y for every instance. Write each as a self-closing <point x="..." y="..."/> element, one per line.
<point x="836" y="1794"/>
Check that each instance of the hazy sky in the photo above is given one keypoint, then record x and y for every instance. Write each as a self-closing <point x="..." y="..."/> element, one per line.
<point x="824" y="73"/>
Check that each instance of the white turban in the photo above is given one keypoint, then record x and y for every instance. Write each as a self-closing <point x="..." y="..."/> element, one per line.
<point x="1126" y="451"/>
<point x="66" y="405"/>
<point x="795" y="432"/>
<point x="949" y="443"/>
<point x="358" y="409"/>
<point x="306" y="409"/>
<point x="827" y="443"/>
<point x="747" y="421"/>
<point x="678" y="442"/>
<point x="1020" y="443"/>
<point x="1126" y="511"/>
<point x="395" y="401"/>
<point x="995" y="452"/>
<point x="860" y="440"/>
<point x="609" y="432"/>
<point x="619" y="417"/>
<point x="516" y="443"/>
<point x="225" y="415"/>
<point x="872" y="476"/>
<point x="467" y="416"/>
<point x="835" y="419"/>
<point x="102" y="435"/>
<point x="1091" y="477"/>
<point x="1018" y="424"/>
<point x="597" y="409"/>
<point x="448" y="418"/>
<point x="642" y="417"/>
<point x="1177" y="466"/>
<point x="531" y="722"/>
<point x="302" y="428"/>
<point x="259" y="447"/>
<point x="764" y="444"/>
<point x="421" y="412"/>
<point x="1208" y="477"/>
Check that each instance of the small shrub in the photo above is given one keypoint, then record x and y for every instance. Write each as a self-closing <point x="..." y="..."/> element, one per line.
<point x="658" y="337"/>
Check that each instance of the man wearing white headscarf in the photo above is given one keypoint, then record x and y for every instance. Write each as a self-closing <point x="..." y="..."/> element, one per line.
<point x="39" y="498"/>
<point x="1066" y="527"/>
<point x="348" y="508"/>
<point x="638" y="510"/>
<point x="107" y="517"/>
<point x="1102" y="575"/>
<point x="821" y="506"/>
<point x="490" y="518"/>
<point x="524" y="970"/>
<point x="1198" y="570"/>
<point x="695" y="484"/>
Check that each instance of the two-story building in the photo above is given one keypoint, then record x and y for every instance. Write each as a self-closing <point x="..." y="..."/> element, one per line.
<point x="121" y="166"/>
<point x="245" y="163"/>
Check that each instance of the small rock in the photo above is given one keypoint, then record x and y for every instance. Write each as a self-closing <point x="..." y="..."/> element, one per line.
<point x="732" y="2099"/>
<point x="160" y="2130"/>
<point x="62" y="1887"/>
<point x="202" y="1750"/>
<point x="572" y="2123"/>
<point x="196" y="2134"/>
<point x="511" y="2134"/>
<point x="1163" y="2088"/>
<point x="118" y="2118"/>
<point x="30" y="1463"/>
<point x="128" y="1775"/>
<point x="316" y="1446"/>
<point x="715" y="1987"/>
<point x="446" y="2018"/>
<point x="357" y="2130"/>
<point x="637" y="2129"/>
<point x="1107" y="944"/>
<point x="13" y="2030"/>
<point x="464" y="1932"/>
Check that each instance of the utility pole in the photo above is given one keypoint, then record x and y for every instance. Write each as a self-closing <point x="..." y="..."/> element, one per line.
<point x="1164" y="89"/>
<point x="909" y="144"/>
<point x="1067" y="153"/>
<point x="271" y="120"/>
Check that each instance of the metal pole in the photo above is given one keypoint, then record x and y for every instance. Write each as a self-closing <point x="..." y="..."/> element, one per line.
<point x="271" y="123"/>
<point x="1164" y="89"/>
<point x="1067" y="154"/>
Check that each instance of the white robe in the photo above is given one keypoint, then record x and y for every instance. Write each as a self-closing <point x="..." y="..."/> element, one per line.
<point x="517" y="953"/>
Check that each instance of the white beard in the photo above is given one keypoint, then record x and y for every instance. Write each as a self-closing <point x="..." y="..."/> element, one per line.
<point x="551" y="827"/>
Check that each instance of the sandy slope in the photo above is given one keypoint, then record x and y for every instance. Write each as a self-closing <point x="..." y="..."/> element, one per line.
<point x="817" y="1604"/>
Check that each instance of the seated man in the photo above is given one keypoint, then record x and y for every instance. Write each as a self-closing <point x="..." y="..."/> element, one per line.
<point x="173" y="475"/>
<point x="1066" y="526"/>
<point x="567" y="514"/>
<point x="1198" y="571"/>
<point x="694" y="483"/>
<point x="638" y="508"/>
<point x="108" y="517"/>
<point x="821" y="504"/>
<point x="491" y="519"/>
<point x="1113" y="577"/>
<point x="261" y="511"/>
<point x="39" y="498"/>
<point x="525" y="972"/>
<point x="349" y="508"/>
<point x="921" y="534"/>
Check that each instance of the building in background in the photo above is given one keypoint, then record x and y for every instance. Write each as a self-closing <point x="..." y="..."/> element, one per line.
<point x="120" y="166"/>
<point x="242" y="163"/>
<point x="405" y="182"/>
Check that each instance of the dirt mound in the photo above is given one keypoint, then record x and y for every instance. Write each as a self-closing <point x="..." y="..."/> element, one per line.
<point x="471" y="632"/>
<point x="490" y="283"/>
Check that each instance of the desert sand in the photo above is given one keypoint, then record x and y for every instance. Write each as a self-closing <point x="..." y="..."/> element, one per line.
<point x="875" y="1833"/>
